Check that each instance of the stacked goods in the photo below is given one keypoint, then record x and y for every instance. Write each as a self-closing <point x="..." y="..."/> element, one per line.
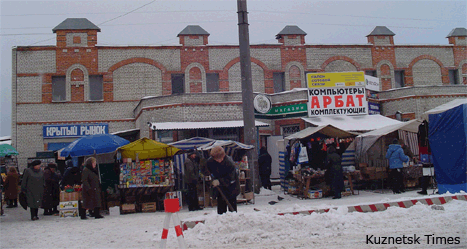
<point x="69" y="197"/>
<point x="128" y="208"/>
<point x="68" y="209"/>
<point x="315" y="193"/>
<point x="148" y="207"/>
<point x="158" y="172"/>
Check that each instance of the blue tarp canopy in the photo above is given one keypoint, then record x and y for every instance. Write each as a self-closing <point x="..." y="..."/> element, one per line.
<point x="447" y="133"/>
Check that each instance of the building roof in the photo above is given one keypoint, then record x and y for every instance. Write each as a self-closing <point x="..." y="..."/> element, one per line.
<point x="76" y="24"/>
<point x="457" y="32"/>
<point x="381" y="30"/>
<point x="193" y="30"/>
<point x="291" y="30"/>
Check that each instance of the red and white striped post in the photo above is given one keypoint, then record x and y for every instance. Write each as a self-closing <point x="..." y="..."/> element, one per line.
<point x="171" y="207"/>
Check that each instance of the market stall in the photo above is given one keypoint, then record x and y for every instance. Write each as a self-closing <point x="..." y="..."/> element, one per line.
<point x="101" y="146"/>
<point x="146" y="174"/>
<point x="304" y="160"/>
<point x="371" y="147"/>
<point x="234" y="149"/>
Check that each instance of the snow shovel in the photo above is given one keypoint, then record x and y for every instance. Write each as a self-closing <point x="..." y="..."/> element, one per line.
<point x="225" y="199"/>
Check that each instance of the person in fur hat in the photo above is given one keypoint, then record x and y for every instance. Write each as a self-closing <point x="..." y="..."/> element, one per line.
<point x="33" y="186"/>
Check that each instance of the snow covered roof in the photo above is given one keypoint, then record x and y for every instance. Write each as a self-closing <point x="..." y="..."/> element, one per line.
<point x="447" y="106"/>
<point x="327" y="130"/>
<point x="201" y="125"/>
<point x="353" y="123"/>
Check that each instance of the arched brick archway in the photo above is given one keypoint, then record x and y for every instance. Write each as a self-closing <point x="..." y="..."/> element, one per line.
<point x="340" y="58"/>
<point x="224" y="76"/>
<point x="444" y="71"/>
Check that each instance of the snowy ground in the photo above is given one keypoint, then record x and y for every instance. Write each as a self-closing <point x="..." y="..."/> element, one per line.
<point x="252" y="229"/>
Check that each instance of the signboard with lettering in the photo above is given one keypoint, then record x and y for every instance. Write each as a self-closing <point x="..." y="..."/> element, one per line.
<point x="373" y="108"/>
<point x="337" y="101"/>
<point x="342" y="79"/>
<point x="58" y="131"/>
<point x="372" y="83"/>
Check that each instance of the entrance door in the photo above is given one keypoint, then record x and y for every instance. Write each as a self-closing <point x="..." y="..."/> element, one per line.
<point x="274" y="152"/>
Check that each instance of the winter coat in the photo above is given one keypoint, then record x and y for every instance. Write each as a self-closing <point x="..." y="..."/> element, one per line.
<point x="264" y="162"/>
<point x="11" y="186"/>
<point x="91" y="189"/>
<point x="227" y="175"/>
<point x="396" y="156"/>
<point x="51" y="197"/>
<point x="33" y="184"/>
<point x="191" y="175"/>
<point x="336" y="175"/>
<point x="71" y="177"/>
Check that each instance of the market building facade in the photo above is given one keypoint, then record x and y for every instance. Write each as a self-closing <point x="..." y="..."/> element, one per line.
<point x="78" y="87"/>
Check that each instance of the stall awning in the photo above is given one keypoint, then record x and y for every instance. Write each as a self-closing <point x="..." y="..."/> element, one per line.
<point x="327" y="130"/>
<point x="353" y="123"/>
<point x="201" y="125"/>
<point x="366" y="140"/>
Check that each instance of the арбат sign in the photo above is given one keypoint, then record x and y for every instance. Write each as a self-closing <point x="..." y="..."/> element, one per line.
<point x="343" y="79"/>
<point x="337" y="101"/>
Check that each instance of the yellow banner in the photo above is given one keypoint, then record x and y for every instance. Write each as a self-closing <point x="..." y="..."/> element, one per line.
<point x="343" y="79"/>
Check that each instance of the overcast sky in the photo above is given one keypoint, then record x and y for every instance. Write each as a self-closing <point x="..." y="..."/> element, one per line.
<point x="158" y="23"/>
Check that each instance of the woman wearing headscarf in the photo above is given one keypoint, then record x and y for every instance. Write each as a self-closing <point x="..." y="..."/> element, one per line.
<point x="91" y="188"/>
<point x="51" y="190"/>
<point x="33" y="186"/>
<point x="11" y="187"/>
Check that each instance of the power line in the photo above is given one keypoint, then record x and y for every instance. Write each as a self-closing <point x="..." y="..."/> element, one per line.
<point x="105" y="13"/>
<point x="105" y="21"/>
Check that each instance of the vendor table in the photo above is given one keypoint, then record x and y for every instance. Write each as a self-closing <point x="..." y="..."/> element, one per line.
<point x="352" y="176"/>
<point x="305" y="181"/>
<point x="144" y="194"/>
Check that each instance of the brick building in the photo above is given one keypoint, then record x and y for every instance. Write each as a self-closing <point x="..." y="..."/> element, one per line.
<point x="77" y="82"/>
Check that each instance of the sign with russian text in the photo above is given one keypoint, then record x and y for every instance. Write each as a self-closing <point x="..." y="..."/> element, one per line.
<point x="373" y="108"/>
<point x="337" y="101"/>
<point x="58" y="131"/>
<point x="343" y="79"/>
<point x="372" y="83"/>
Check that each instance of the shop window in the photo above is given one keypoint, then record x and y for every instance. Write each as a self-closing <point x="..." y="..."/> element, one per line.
<point x="279" y="82"/>
<point x="212" y="82"/>
<point x="399" y="78"/>
<point x="58" y="88"/>
<point x="226" y="134"/>
<point x="164" y="136"/>
<point x="453" y="77"/>
<point x="96" y="87"/>
<point x="288" y="130"/>
<point x="371" y="73"/>
<point x="178" y="83"/>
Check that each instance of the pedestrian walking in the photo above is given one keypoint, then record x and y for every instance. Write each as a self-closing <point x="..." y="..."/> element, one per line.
<point x="51" y="197"/>
<point x="33" y="186"/>
<point x="264" y="163"/>
<point x="191" y="178"/>
<point x="336" y="175"/>
<point x="11" y="188"/>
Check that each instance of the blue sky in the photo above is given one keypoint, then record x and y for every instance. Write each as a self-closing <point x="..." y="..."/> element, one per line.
<point x="26" y="23"/>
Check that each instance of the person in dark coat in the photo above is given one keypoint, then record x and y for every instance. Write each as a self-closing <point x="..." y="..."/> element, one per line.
<point x="91" y="188"/>
<point x="51" y="190"/>
<point x="33" y="186"/>
<point x="264" y="162"/>
<point x="225" y="177"/>
<point x="11" y="188"/>
<point x="333" y="162"/>
<point x="72" y="175"/>
<point x="191" y="178"/>
<point x="396" y="156"/>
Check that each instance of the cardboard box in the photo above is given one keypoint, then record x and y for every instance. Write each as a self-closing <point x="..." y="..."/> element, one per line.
<point x="128" y="208"/>
<point x="148" y="207"/>
<point x="314" y="194"/>
<point x="69" y="213"/>
<point x="347" y="192"/>
<point x="70" y="196"/>
<point x="249" y="195"/>
<point x="67" y="205"/>
<point x="292" y="190"/>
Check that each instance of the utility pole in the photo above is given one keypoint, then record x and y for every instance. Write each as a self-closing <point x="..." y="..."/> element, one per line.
<point x="247" y="92"/>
